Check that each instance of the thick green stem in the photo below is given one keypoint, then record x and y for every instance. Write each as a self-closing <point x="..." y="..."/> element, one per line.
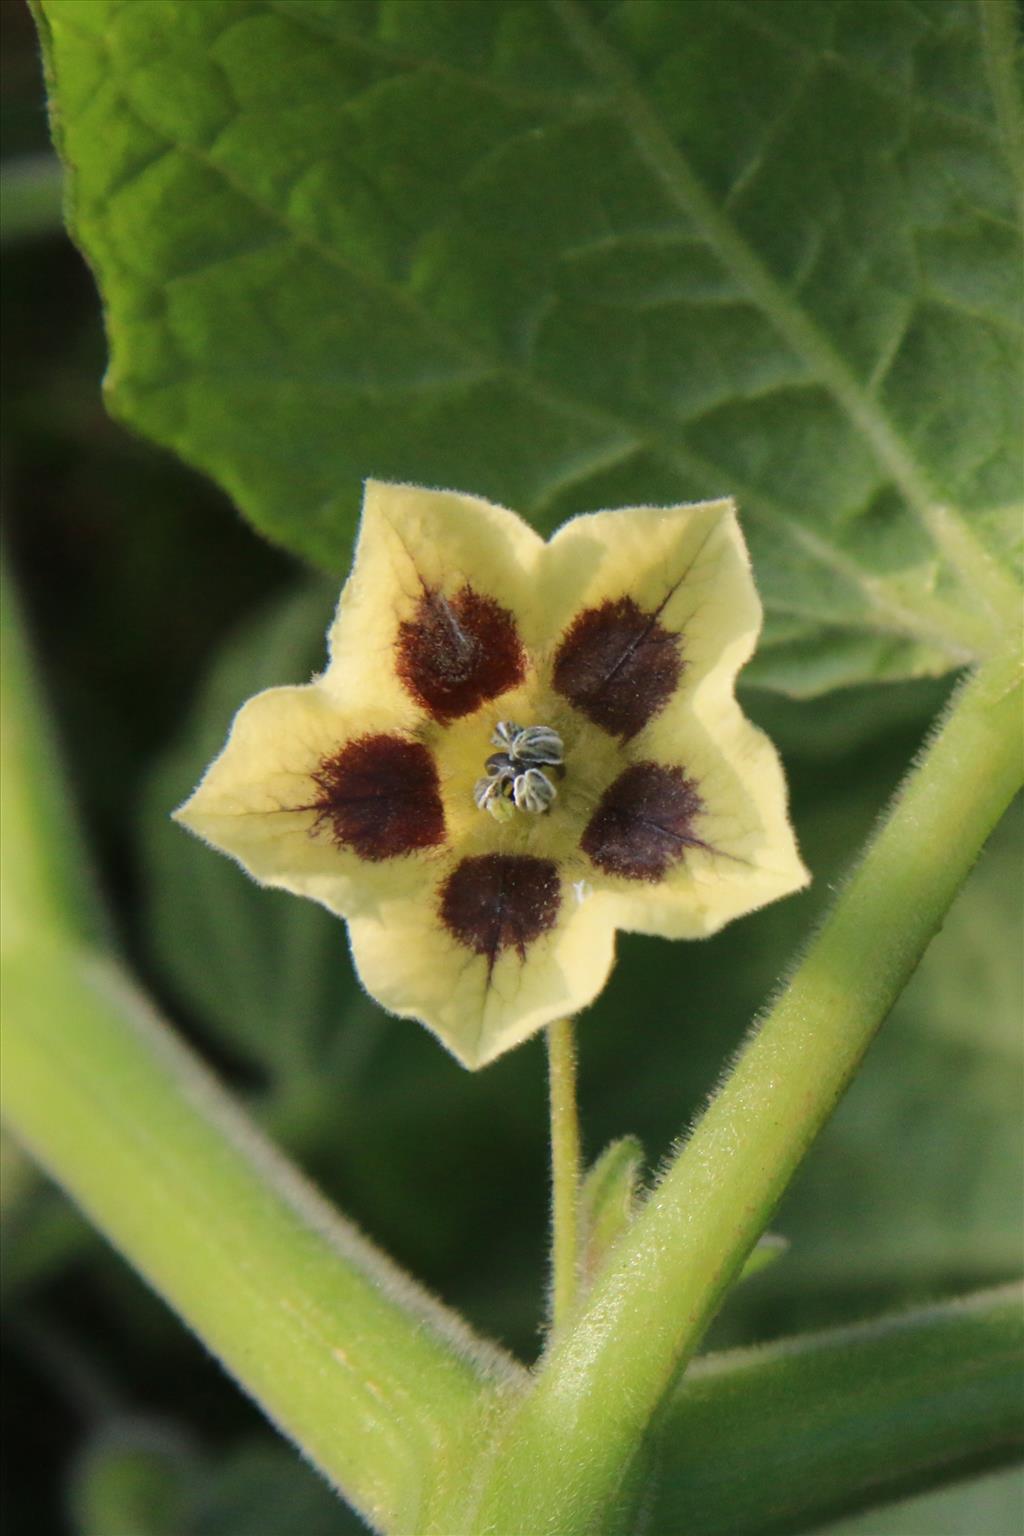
<point x="568" y="1452"/>
<point x="373" y="1379"/>
<point x="47" y="887"/>
<point x="382" y="1387"/>
<point x="565" y="1171"/>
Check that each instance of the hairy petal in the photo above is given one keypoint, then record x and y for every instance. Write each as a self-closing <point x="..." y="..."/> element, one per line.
<point x="266" y="801"/>
<point x="644" y="823"/>
<point x="618" y="664"/>
<point x="691" y="829"/>
<point x="380" y="796"/>
<point x="740" y="851"/>
<point x="484" y="981"/>
<point x="646" y="601"/>
<point x="427" y="623"/>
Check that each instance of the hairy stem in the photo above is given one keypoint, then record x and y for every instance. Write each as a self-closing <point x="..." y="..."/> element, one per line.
<point x="568" y="1452"/>
<point x="565" y="1171"/>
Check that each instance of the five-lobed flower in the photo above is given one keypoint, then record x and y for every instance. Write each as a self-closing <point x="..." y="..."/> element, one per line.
<point x="517" y="748"/>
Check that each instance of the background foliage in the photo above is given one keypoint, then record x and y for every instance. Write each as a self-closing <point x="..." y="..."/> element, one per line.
<point x="439" y="241"/>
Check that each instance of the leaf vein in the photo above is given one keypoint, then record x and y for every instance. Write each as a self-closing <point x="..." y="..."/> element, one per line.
<point x="795" y="326"/>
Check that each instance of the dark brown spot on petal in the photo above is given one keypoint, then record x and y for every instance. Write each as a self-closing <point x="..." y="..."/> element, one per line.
<point x="644" y="822"/>
<point x="459" y="652"/>
<point x="380" y="797"/>
<point x="618" y="665"/>
<point x="500" y="901"/>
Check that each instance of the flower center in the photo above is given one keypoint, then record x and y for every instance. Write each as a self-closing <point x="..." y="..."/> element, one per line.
<point x="516" y="779"/>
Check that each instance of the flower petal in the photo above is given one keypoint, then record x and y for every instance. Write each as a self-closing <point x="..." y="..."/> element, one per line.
<point x="644" y="822"/>
<point x="707" y="828"/>
<point x="430" y="608"/>
<point x="659" y="612"/>
<point x="310" y="800"/>
<point x="646" y="600"/>
<point x="494" y="951"/>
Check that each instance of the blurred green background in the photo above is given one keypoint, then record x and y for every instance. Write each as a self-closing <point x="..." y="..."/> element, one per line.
<point x="154" y="612"/>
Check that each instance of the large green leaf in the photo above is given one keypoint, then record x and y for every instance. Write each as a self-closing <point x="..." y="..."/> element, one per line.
<point x="822" y="1425"/>
<point x="991" y="1506"/>
<point x="571" y="253"/>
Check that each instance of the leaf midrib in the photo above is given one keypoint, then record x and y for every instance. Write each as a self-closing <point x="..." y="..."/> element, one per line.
<point x="984" y="580"/>
<point x="792" y="323"/>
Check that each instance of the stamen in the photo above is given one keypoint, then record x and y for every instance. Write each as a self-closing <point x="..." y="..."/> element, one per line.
<point x="536" y="745"/>
<point x="499" y="763"/>
<point x="515" y="780"/>
<point x="533" y="791"/>
<point x="494" y="795"/>
<point x="505" y="733"/>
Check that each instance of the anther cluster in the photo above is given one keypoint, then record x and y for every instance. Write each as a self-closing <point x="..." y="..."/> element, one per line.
<point x="516" y="780"/>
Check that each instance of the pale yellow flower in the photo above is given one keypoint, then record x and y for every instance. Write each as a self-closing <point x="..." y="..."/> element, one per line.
<point x="625" y="788"/>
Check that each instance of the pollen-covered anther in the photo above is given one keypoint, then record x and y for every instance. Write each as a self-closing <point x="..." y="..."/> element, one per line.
<point x="535" y="745"/>
<point x="492" y="794"/>
<point x="533" y="791"/>
<point x="515" y="778"/>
